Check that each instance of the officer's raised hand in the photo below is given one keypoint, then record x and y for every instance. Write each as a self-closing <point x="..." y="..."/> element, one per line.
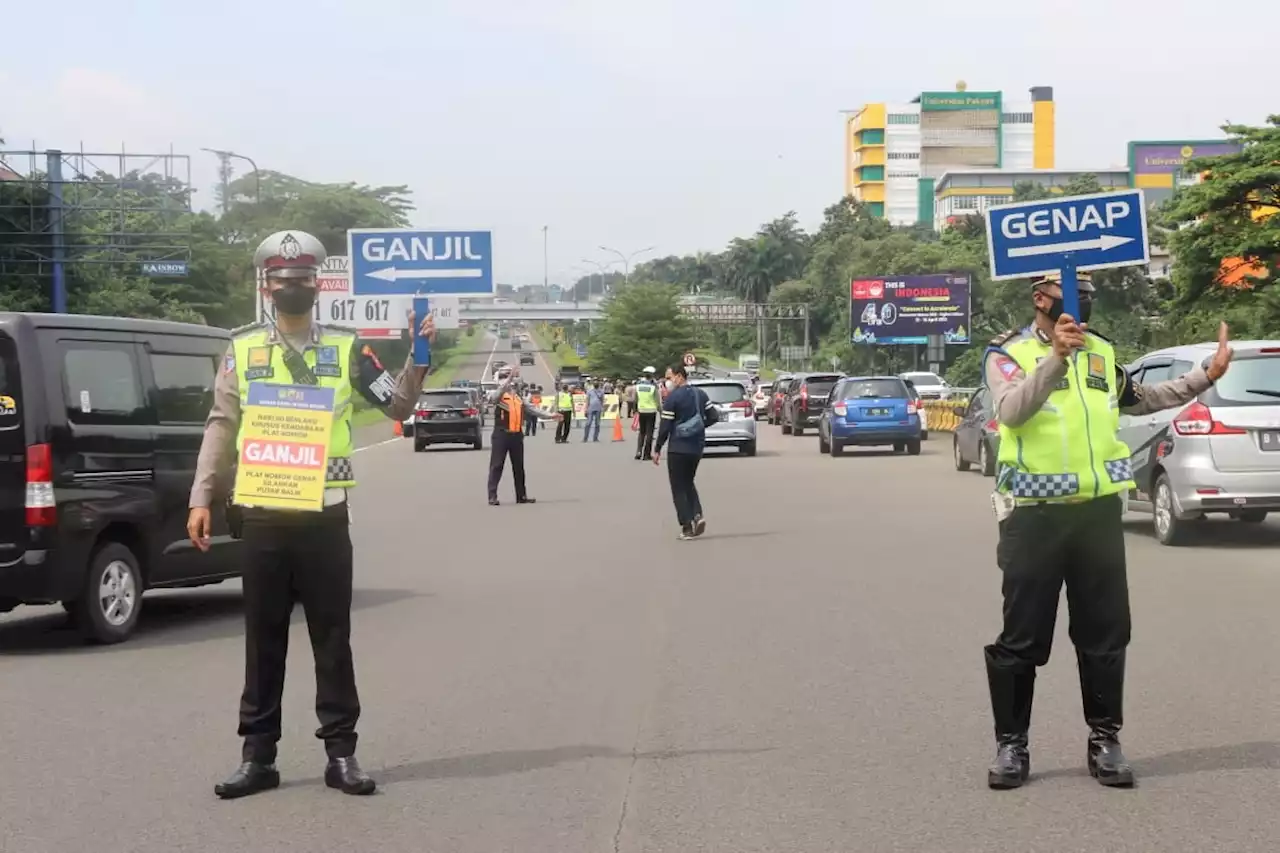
<point x="1221" y="359"/>
<point x="1068" y="335"/>
<point x="428" y="329"/>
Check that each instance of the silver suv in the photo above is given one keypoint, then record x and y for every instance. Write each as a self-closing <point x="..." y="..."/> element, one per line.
<point x="1218" y="454"/>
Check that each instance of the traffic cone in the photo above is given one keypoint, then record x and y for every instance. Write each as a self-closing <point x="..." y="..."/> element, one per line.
<point x="617" y="429"/>
<point x="398" y="430"/>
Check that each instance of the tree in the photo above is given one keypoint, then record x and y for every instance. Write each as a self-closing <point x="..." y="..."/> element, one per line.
<point x="642" y="326"/>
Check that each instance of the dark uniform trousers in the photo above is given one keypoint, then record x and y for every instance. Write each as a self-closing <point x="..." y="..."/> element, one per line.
<point x="644" y="441"/>
<point x="504" y="444"/>
<point x="1043" y="546"/>
<point x="531" y="426"/>
<point x="297" y="558"/>
<point x="564" y="426"/>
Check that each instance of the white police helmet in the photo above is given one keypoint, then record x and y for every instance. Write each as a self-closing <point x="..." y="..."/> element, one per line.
<point x="290" y="254"/>
<point x="649" y="370"/>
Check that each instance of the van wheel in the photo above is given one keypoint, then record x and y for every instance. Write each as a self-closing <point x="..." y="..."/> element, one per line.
<point x="111" y="601"/>
<point x="1170" y="530"/>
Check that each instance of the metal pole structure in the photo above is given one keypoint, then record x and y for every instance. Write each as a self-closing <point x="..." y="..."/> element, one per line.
<point x="57" y="228"/>
<point x="544" y="257"/>
<point x="601" y="268"/>
<point x="626" y="259"/>
<point x="226" y="157"/>
<point x="806" y="336"/>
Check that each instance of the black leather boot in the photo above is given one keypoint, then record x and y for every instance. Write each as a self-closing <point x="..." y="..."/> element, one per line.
<point x="251" y="777"/>
<point x="1011" y="696"/>
<point x="1102" y="694"/>
<point x="345" y="775"/>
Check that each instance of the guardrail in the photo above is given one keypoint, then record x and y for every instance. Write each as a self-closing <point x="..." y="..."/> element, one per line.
<point x="945" y="415"/>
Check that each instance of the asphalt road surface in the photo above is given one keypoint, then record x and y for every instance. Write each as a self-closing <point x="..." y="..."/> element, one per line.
<point x="569" y="677"/>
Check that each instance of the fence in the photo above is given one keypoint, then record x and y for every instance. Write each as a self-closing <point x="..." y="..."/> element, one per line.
<point x="945" y="415"/>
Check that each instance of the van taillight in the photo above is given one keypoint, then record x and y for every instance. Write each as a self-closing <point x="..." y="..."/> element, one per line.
<point x="1196" y="419"/>
<point x="41" y="509"/>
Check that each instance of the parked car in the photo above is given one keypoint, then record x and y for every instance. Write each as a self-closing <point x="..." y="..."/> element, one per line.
<point x="1218" y="454"/>
<point x="737" y="424"/>
<point x="924" y="419"/>
<point x="806" y="396"/>
<point x="447" y="416"/>
<point x="101" y="420"/>
<point x="976" y="440"/>
<point x="869" y="411"/>
<point x="930" y="385"/>
<point x="764" y="393"/>
<point x="777" y="398"/>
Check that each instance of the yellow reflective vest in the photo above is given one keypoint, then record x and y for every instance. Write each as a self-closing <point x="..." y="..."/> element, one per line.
<point x="1069" y="449"/>
<point x="646" y="397"/>
<point x="259" y="360"/>
<point x="564" y="402"/>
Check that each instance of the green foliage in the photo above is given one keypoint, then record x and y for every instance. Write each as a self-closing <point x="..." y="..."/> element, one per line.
<point x="642" y="326"/>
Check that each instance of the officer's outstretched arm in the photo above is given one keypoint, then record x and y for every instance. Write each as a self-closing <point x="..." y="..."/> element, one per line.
<point x="1135" y="399"/>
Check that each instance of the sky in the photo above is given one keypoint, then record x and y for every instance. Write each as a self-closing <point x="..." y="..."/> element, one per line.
<point x="673" y="124"/>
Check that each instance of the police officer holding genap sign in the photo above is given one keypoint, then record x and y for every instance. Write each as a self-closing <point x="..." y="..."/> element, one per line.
<point x="294" y="555"/>
<point x="1057" y="392"/>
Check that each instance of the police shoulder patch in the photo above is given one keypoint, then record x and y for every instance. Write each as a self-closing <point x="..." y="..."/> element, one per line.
<point x="246" y="329"/>
<point x="1004" y="338"/>
<point x="1008" y="367"/>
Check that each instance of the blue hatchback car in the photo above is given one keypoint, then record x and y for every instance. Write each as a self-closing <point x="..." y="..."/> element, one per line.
<point x="870" y="411"/>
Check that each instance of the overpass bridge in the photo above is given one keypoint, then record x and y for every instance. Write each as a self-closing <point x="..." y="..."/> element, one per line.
<point x="540" y="313"/>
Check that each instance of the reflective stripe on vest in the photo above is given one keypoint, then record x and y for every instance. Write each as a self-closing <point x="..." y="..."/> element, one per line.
<point x="259" y="361"/>
<point x="647" y="397"/>
<point x="1069" y="449"/>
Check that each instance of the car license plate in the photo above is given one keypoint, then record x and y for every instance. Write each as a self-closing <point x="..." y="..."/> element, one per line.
<point x="877" y="413"/>
<point x="447" y="415"/>
<point x="1269" y="439"/>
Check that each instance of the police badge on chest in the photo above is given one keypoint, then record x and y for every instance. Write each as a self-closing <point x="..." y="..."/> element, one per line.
<point x="327" y="362"/>
<point x="1097" y="373"/>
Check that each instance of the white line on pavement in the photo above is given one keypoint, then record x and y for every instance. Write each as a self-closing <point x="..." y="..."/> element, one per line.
<point x="377" y="444"/>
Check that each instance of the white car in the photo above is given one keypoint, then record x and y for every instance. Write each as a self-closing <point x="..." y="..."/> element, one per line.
<point x="930" y="386"/>
<point x="761" y="398"/>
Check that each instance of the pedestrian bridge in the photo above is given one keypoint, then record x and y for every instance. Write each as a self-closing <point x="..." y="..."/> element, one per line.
<point x="531" y="313"/>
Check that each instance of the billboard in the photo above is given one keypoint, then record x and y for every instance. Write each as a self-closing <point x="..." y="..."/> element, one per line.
<point x="1168" y="158"/>
<point x="934" y="101"/>
<point x="907" y="309"/>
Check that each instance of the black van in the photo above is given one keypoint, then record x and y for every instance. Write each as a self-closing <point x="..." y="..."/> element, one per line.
<point x="101" y="420"/>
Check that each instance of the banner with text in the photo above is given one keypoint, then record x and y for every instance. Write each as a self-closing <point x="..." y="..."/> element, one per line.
<point x="285" y="448"/>
<point x="908" y="309"/>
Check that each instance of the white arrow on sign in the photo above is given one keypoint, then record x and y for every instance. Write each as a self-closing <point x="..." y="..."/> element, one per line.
<point x="1105" y="242"/>
<point x="393" y="274"/>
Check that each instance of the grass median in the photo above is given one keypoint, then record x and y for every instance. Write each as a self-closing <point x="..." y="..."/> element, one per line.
<point x="555" y="355"/>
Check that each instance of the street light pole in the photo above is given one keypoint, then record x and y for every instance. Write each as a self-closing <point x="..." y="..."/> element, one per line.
<point x="626" y="259"/>
<point x="601" y="269"/>
<point x="225" y="173"/>
<point x="544" y="258"/>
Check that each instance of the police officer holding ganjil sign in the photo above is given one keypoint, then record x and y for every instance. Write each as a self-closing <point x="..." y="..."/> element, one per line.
<point x="297" y="540"/>
<point x="1058" y="393"/>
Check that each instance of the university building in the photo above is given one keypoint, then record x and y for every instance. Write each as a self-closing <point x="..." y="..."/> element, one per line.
<point x="895" y="153"/>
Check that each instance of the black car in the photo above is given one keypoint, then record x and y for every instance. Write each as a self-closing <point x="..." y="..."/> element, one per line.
<point x="806" y="397"/>
<point x="526" y="358"/>
<point x="101" y="420"/>
<point x="447" y="416"/>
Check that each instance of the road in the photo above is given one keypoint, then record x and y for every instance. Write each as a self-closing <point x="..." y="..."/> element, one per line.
<point x="569" y="677"/>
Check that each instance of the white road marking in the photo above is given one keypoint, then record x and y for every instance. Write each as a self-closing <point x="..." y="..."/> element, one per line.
<point x="484" y="377"/>
<point x="379" y="443"/>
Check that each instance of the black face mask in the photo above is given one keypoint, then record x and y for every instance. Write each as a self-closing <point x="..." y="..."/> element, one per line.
<point x="1055" y="310"/>
<point x="295" y="299"/>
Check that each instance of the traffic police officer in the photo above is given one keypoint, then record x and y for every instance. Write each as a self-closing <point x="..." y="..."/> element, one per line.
<point x="647" y="406"/>
<point x="292" y="555"/>
<point x="1057" y="392"/>
<point x="510" y="415"/>
<point x="564" y="408"/>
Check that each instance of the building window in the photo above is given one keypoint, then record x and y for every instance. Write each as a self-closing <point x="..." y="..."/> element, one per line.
<point x="871" y="136"/>
<point x="965" y="202"/>
<point x="1018" y="118"/>
<point x="904" y="174"/>
<point x="904" y="155"/>
<point x="903" y="118"/>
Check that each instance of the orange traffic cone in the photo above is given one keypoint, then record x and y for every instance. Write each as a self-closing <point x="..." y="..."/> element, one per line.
<point x="398" y="430"/>
<point x="617" y="429"/>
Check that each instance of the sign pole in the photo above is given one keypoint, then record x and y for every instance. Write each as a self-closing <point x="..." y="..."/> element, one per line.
<point x="421" y="345"/>
<point x="1070" y="290"/>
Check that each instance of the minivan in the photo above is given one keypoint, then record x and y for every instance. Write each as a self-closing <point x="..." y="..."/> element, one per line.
<point x="101" y="420"/>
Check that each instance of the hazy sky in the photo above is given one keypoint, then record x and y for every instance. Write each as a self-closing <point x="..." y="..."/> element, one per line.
<point x="628" y="124"/>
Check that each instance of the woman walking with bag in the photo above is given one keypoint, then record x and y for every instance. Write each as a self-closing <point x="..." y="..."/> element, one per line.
<point x="686" y="414"/>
